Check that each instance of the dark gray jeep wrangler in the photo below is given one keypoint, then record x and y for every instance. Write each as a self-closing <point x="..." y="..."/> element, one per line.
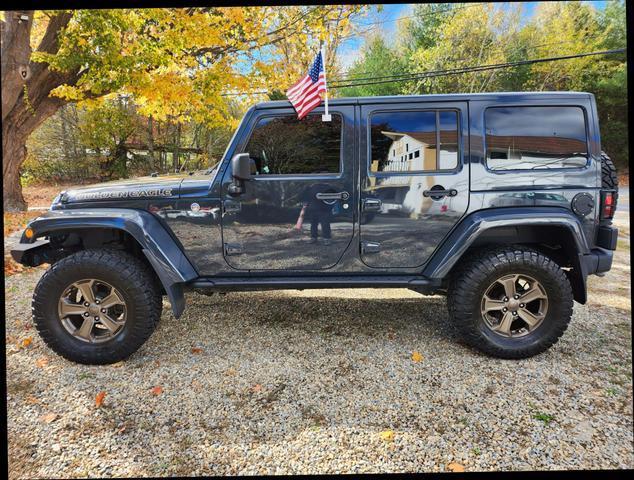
<point x="501" y="201"/>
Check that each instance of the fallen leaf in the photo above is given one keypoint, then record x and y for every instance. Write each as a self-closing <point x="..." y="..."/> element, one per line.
<point x="416" y="356"/>
<point x="232" y="372"/>
<point x="32" y="400"/>
<point x="117" y="365"/>
<point x="157" y="390"/>
<point x="256" y="388"/>
<point x="26" y="342"/>
<point x="121" y="429"/>
<point x="42" y="362"/>
<point x="196" y="350"/>
<point x="455" y="467"/>
<point x="49" y="417"/>
<point x="99" y="399"/>
<point x="387" y="435"/>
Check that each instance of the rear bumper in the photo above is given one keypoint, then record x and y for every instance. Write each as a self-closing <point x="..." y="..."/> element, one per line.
<point x="607" y="237"/>
<point x="599" y="260"/>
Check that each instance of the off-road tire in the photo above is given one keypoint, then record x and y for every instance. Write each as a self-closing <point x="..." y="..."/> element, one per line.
<point x="123" y="271"/>
<point x="469" y="283"/>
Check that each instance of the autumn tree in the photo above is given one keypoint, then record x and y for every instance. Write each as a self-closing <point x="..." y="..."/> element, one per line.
<point x="558" y="29"/>
<point x="377" y="58"/>
<point x="176" y="63"/>
<point x="104" y="130"/>
<point x="479" y="35"/>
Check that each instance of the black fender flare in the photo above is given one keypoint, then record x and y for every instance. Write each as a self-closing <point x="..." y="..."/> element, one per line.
<point x="472" y="226"/>
<point x="163" y="252"/>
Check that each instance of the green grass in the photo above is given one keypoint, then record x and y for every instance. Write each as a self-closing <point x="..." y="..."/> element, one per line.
<point x="544" y="417"/>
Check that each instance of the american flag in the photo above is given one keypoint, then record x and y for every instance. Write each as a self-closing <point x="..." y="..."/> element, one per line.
<point x="304" y="95"/>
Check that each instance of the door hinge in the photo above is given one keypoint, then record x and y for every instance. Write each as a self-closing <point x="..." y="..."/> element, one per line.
<point x="233" y="249"/>
<point x="370" y="247"/>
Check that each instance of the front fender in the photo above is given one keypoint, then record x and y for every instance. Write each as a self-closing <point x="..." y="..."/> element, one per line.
<point x="162" y="251"/>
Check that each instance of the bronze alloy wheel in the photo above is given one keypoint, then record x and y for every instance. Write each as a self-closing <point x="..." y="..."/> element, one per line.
<point x="92" y="310"/>
<point x="514" y="305"/>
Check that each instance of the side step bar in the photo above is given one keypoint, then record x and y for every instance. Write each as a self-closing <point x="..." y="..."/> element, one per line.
<point x="412" y="282"/>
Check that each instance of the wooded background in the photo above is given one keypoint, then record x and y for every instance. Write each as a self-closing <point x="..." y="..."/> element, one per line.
<point x="92" y="95"/>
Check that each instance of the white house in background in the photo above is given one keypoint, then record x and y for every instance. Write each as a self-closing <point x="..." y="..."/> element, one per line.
<point x="414" y="152"/>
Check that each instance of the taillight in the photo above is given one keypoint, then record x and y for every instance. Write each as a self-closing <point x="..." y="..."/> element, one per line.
<point x="608" y="204"/>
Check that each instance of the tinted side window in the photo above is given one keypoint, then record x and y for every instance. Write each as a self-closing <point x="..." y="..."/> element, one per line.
<point x="408" y="141"/>
<point x="285" y="145"/>
<point x="535" y="137"/>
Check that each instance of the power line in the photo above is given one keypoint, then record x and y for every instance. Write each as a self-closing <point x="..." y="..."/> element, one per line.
<point x="454" y="71"/>
<point x="517" y="48"/>
<point x="478" y="68"/>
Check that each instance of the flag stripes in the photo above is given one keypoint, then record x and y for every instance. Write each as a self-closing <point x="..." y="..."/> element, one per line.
<point x="305" y="95"/>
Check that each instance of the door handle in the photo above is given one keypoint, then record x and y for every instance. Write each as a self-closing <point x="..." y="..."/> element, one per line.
<point x="332" y="196"/>
<point x="438" y="194"/>
<point x="371" y="204"/>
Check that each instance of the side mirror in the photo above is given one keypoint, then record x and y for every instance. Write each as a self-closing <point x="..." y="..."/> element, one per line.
<point x="241" y="171"/>
<point x="241" y="166"/>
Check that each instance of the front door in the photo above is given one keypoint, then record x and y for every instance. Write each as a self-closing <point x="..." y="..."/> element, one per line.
<point x="296" y="213"/>
<point x="414" y="180"/>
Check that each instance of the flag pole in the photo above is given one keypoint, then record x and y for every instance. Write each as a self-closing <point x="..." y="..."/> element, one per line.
<point x="326" y="117"/>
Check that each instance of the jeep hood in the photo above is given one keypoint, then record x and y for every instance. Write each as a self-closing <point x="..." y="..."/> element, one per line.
<point x="137" y="189"/>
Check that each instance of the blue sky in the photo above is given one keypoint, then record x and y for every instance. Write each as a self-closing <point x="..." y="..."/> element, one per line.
<point x="350" y="48"/>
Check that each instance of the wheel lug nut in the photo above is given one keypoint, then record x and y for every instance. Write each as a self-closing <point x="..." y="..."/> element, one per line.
<point x="103" y="310"/>
<point x="506" y="299"/>
<point x="521" y="305"/>
<point x="514" y="313"/>
<point x="96" y="317"/>
<point x="504" y="309"/>
<point x="86" y="314"/>
<point x="86" y="304"/>
<point x="516" y="297"/>
<point x="97" y="302"/>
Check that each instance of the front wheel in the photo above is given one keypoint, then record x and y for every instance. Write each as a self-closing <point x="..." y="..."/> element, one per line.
<point x="96" y="306"/>
<point x="510" y="302"/>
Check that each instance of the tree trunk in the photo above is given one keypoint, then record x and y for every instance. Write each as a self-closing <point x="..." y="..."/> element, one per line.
<point x="25" y="93"/>
<point x="14" y="148"/>
<point x="65" y="133"/>
<point x="177" y="149"/>
<point x="150" y="141"/>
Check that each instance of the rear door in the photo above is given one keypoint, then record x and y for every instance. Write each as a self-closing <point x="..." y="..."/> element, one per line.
<point x="414" y="179"/>
<point x="295" y="214"/>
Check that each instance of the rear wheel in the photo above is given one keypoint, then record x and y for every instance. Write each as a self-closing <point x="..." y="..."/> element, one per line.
<point x="510" y="302"/>
<point x="96" y="306"/>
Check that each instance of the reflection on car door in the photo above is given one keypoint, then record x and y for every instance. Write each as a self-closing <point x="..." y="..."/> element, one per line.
<point x="295" y="212"/>
<point x="414" y="180"/>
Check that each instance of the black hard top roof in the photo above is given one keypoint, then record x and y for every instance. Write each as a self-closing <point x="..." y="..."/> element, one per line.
<point x="451" y="97"/>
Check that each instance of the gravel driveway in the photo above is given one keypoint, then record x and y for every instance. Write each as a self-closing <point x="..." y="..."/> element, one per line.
<point x="323" y="381"/>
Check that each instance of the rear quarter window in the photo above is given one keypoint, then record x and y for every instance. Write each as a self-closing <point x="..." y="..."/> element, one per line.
<point x="530" y="138"/>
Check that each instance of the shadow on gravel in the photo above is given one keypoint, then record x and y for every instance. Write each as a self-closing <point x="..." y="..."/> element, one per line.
<point x="328" y="315"/>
